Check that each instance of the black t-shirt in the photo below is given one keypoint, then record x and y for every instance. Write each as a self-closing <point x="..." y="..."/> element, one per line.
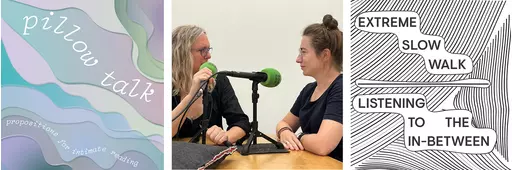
<point x="225" y="104"/>
<point x="327" y="106"/>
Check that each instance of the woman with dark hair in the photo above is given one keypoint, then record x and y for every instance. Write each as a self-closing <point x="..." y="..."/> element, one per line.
<point x="318" y="108"/>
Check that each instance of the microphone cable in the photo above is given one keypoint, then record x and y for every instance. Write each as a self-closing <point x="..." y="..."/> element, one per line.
<point x="189" y="104"/>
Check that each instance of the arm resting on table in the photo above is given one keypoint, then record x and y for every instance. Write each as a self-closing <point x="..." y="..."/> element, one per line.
<point x="236" y="119"/>
<point x="326" y="140"/>
<point x="235" y="133"/>
<point x="290" y="120"/>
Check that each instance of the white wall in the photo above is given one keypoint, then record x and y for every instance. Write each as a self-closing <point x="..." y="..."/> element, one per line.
<point x="252" y="35"/>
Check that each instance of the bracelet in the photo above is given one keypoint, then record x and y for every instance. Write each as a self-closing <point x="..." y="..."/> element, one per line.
<point x="282" y="129"/>
<point x="300" y="135"/>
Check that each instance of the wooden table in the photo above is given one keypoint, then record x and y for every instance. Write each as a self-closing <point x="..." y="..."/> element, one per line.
<point x="292" y="160"/>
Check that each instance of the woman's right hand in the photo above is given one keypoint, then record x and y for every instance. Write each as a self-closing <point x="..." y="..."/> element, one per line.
<point x="290" y="141"/>
<point x="200" y="76"/>
<point x="196" y="109"/>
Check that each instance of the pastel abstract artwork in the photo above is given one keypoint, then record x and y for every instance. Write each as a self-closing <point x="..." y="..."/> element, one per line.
<point x="82" y="84"/>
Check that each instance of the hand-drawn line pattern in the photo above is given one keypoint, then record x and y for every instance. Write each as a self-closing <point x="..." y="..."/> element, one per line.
<point x="377" y="139"/>
<point x="491" y="110"/>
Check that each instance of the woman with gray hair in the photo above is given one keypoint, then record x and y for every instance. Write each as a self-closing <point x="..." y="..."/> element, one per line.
<point x="190" y="49"/>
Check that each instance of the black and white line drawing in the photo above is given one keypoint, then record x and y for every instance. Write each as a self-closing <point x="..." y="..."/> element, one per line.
<point x="430" y="84"/>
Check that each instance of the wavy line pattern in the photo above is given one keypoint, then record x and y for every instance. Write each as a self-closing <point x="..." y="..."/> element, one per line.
<point x="106" y="19"/>
<point x="112" y="51"/>
<point x="433" y="49"/>
<point x="491" y="110"/>
<point x="74" y="143"/>
<point x="145" y="62"/>
<point x="154" y="11"/>
<point x="396" y="156"/>
<point x="20" y="145"/>
<point x="16" y="67"/>
<point x="61" y="99"/>
<point x="62" y="111"/>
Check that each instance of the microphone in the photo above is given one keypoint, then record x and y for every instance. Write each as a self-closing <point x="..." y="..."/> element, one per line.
<point x="268" y="77"/>
<point x="210" y="66"/>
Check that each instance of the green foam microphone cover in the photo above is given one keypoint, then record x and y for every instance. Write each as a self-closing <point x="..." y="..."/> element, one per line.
<point x="273" y="77"/>
<point x="210" y="66"/>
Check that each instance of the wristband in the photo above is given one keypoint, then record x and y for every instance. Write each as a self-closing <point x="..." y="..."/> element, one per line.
<point x="281" y="130"/>
<point x="300" y="135"/>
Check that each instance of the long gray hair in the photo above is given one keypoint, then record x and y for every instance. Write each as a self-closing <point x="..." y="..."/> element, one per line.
<point x="182" y="61"/>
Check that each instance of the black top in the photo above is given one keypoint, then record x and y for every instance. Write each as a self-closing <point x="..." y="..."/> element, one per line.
<point x="225" y="104"/>
<point x="327" y="106"/>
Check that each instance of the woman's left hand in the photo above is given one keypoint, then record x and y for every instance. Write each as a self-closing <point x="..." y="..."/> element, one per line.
<point x="217" y="135"/>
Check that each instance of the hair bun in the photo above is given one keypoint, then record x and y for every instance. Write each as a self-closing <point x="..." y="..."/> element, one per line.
<point x="330" y="22"/>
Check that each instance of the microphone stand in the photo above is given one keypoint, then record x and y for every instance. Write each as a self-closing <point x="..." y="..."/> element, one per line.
<point x="255" y="133"/>
<point x="205" y="118"/>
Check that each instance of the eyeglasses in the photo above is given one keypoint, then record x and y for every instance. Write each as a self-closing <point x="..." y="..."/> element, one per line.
<point x="204" y="51"/>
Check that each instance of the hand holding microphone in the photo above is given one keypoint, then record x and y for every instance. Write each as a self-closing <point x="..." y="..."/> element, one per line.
<point x="199" y="78"/>
<point x="197" y="83"/>
<point x="211" y="81"/>
<point x="206" y="70"/>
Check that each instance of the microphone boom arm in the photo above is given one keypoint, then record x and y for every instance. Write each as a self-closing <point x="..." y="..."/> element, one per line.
<point x="254" y="76"/>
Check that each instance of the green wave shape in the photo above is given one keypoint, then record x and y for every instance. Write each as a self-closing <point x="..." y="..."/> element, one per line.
<point x="147" y="64"/>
